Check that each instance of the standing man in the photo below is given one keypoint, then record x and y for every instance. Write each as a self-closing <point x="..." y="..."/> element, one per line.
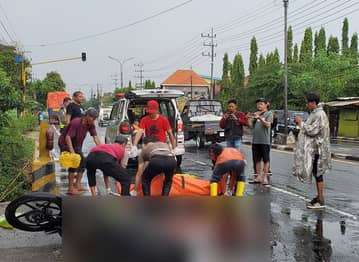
<point x="227" y="160"/>
<point x="232" y="122"/>
<point x="154" y="125"/>
<point x="261" y="122"/>
<point x="107" y="158"/>
<point x="71" y="140"/>
<point x="62" y="113"/>
<point x="161" y="160"/>
<point x="312" y="155"/>
<point x="75" y="109"/>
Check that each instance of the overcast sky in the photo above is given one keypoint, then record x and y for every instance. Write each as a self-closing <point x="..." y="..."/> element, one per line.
<point x="46" y="30"/>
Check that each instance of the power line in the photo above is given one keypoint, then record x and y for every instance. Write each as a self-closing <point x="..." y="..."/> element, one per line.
<point x="6" y="31"/>
<point x="117" y="28"/>
<point x="307" y="22"/>
<point x="273" y="24"/>
<point x="8" y="21"/>
<point x="189" y="44"/>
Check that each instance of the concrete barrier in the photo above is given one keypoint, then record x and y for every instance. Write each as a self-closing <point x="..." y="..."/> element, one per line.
<point x="43" y="168"/>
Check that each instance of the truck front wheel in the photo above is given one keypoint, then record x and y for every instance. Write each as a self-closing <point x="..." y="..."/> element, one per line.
<point x="199" y="141"/>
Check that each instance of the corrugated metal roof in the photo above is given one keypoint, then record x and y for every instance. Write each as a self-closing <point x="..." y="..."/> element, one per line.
<point x="343" y="103"/>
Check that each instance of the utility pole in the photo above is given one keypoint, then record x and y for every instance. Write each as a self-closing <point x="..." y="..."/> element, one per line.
<point x="140" y="74"/>
<point x="285" y="70"/>
<point x="211" y="54"/>
<point x="121" y="65"/>
<point x="115" y="79"/>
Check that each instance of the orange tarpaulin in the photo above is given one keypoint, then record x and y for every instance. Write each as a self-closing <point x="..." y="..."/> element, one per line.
<point x="55" y="99"/>
<point x="182" y="185"/>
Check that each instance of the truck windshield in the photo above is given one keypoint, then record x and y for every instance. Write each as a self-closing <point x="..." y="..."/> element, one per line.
<point x="200" y="108"/>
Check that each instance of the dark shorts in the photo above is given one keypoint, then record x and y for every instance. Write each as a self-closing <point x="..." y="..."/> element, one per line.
<point x="260" y="152"/>
<point x="318" y="178"/>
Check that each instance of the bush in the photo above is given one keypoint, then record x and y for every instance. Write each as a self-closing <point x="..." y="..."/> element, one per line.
<point x="16" y="153"/>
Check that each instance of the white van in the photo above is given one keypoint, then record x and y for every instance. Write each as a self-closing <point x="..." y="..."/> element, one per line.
<point x="131" y="107"/>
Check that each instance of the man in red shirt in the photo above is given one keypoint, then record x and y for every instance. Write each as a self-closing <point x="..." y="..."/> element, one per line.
<point x="154" y="125"/>
<point x="107" y="158"/>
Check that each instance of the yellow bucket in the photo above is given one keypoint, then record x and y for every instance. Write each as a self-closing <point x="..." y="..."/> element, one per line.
<point x="71" y="160"/>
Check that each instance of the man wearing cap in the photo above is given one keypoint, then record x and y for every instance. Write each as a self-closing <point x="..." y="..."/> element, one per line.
<point x="71" y="140"/>
<point x="261" y="122"/>
<point x="154" y="125"/>
<point x="107" y="158"/>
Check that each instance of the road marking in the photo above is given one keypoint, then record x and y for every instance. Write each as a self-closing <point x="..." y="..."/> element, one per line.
<point x="351" y="216"/>
<point x="292" y="153"/>
<point x="198" y="162"/>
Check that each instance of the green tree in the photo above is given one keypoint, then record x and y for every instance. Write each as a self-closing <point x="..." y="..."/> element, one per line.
<point x="290" y="45"/>
<point x="354" y="48"/>
<point x="333" y="45"/>
<point x="295" y="54"/>
<point x="266" y="82"/>
<point x="237" y="72"/>
<point x="129" y="84"/>
<point x="306" y="49"/>
<point x="320" y="41"/>
<point x="261" y="60"/>
<point x="345" y="37"/>
<point x="153" y="84"/>
<point x="51" y="83"/>
<point x="9" y="96"/>
<point x="253" y="57"/>
<point x="226" y="82"/>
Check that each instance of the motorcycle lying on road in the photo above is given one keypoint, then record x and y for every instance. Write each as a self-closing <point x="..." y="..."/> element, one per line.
<point x="36" y="212"/>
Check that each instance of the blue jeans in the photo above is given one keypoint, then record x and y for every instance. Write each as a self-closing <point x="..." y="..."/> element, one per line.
<point x="234" y="143"/>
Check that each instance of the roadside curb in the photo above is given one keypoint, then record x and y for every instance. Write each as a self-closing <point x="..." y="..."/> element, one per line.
<point x="291" y="149"/>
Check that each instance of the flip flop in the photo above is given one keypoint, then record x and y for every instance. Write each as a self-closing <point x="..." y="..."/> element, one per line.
<point x="83" y="189"/>
<point x="253" y="181"/>
<point x="74" y="194"/>
<point x="266" y="184"/>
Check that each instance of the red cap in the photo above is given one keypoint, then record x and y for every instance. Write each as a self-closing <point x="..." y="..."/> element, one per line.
<point x="152" y="107"/>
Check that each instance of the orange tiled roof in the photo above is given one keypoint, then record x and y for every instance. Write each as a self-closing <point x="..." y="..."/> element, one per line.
<point x="183" y="78"/>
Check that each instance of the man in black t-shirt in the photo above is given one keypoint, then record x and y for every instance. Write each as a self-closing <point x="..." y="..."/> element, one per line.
<point x="75" y="109"/>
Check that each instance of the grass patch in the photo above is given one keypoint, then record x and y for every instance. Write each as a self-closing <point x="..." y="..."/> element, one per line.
<point x="16" y="153"/>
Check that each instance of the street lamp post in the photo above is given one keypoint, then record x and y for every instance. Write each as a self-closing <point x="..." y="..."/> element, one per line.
<point x="121" y="65"/>
<point x="285" y="70"/>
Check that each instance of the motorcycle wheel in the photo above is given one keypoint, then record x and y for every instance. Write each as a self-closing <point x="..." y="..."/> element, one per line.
<point x="35" y="212"/>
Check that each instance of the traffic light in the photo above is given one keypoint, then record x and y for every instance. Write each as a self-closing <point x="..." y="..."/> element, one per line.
<point x="83" y="56"/>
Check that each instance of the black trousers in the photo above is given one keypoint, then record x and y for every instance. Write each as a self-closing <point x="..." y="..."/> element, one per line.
<point x="108" y="165"/>
<point x="235" y="167"/>
<point x="158" y="165"/>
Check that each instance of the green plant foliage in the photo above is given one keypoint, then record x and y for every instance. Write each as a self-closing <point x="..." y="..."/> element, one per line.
<point x="16" y="153"/>
<point x="253" y="56"/>
<point x="9" y="96"/>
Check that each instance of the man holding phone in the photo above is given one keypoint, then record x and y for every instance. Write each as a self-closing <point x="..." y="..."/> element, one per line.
<point x="261" y="122"/>
<point x="232" y="122"/>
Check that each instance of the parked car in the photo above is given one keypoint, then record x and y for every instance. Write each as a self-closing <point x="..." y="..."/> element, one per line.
<point x="104" y="116"/>
<point x="131" y="107"/>
<point x="201" y="121"/>
<point x="291" y="124"/>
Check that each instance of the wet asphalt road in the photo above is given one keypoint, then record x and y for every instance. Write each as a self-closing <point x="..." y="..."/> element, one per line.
<point x="298" y="234"/>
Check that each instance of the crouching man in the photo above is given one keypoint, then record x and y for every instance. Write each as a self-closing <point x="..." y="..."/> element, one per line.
<point x="227" y="160"/>
<point x="161" y="160"/>
<point x="107" y="158"/>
